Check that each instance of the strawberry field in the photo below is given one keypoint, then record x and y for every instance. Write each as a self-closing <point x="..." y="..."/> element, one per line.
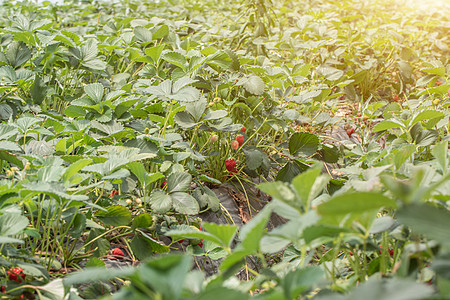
<point x="224" y="149"/>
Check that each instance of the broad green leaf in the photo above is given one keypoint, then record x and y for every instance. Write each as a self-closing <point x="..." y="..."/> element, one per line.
<point x="221" y="293"/>
<point x="142" y="221"/>
<point x="224" y="232"/>
<point x="253" y="84"/>
<point x="176" y="59"/>
<point x="381" y="224"/>
<point x="435" y="67"/>
<point x="9" y="240"/>
<point x="11" y="224"/>
<point x="252" y="232"/>
<point x="278" y="190"/>
<point x="301" y="280"/>
<point x="116" y="215"/>
<point x="143" y="34"/>
<point x="313" y="232"/>
<point x="145" y="246"/>
<point x="440" y="152"/>
<point x="354" y="203"/>
<point x="309" y="185"/>
<point x="178" y="182"/>
<point x="184" y="203"/>
<point x="426" y="115"/>
<point x="160" y="201"/>
<point x="95" y="91"/>
<point x="388" y="124"/>
<point x="424" y="219"/>
<point x="303" y="143"/>
<point x="166" y="274"/>
<point x="75" y="168"/>
<point x="185" y="231"/>
<point x="253" y="158"/>
<point x="97" y="274"/>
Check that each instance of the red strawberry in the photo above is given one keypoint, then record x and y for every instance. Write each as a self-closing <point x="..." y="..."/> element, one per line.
<point x="200" y="244"/>
<point x="359" y="115"/>
<point x="230" y="164"/>
<point x="234" y="170"/>
<point x="240" y="139"/>
<point x="234" y="145"/>
<point x="163" y="184"/>
<point x="243" y="129"/>
<point x="13" y="274"/>
<point x="350" y="131"/>
<point x="395" y="98"/>
<point x="3" y="289"/>
<point x="118" y="252"/>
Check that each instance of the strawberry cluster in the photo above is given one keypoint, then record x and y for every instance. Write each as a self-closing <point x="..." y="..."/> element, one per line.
<point x="230" y="164"/>
<point x="16" y="274"/>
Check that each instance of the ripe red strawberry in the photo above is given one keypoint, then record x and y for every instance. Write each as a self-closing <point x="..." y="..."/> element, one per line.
<point x="395" y="98"/>
<point x="200" y="244"/>
<point x="240" y="139"/>
<point x="234" y="145"/>
<point x="230" y="164"/>
<point x="163" y="184"/>
<point x="3" y="289"/>
<point x="118" y="252"/>
<point x="14" y="273"/>
<point x="243" y="129"/>
<point x="350" y="131"/>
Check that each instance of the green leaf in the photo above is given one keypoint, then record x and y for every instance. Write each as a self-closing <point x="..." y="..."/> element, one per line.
<point x="313" y="232"/>
<point x="96" y="274"/>
<point x="160" y="201"/>
<point x="221" y="293"/>
<point x="144" y="246"/>
<point x="95" y="91"/>
<point x="309" y="185"/>
<point x="439" y="151"/>
<point x="162" y="31"/>
<point x="11" y="224"/>
<point x="184" y="231"/>
<point x="253" y="84"/>
<point x="382" y="224"/>
<point x="184" y="203"/>
<point x="303" y="143"/>
<point x="223" y="232"/>
<point x="253" y="158"/>
<point x="394" y="288"/>
<point x="278" y="190"/>
<point x="424" y="219"/>
<point x="176" y="59"/>
<point x="300" y="280"/>
<point x="75" y="168"/>
<point x="435" y="67"/>
<point x="387" y="124"/>
<point x="166" y="274"/>
<point x="9" y="240"/>
<point x="290" y="170"/>
<point x="426" y="115"/>
<point x="38" y="90"/>
<point x="143" y="34"/>
<point x="178" y="182"/>
<point x="116" y="215"/>
<point x="142" y="221"/>
<point x="252" y="232"/>
<point x="354" y="203"/>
